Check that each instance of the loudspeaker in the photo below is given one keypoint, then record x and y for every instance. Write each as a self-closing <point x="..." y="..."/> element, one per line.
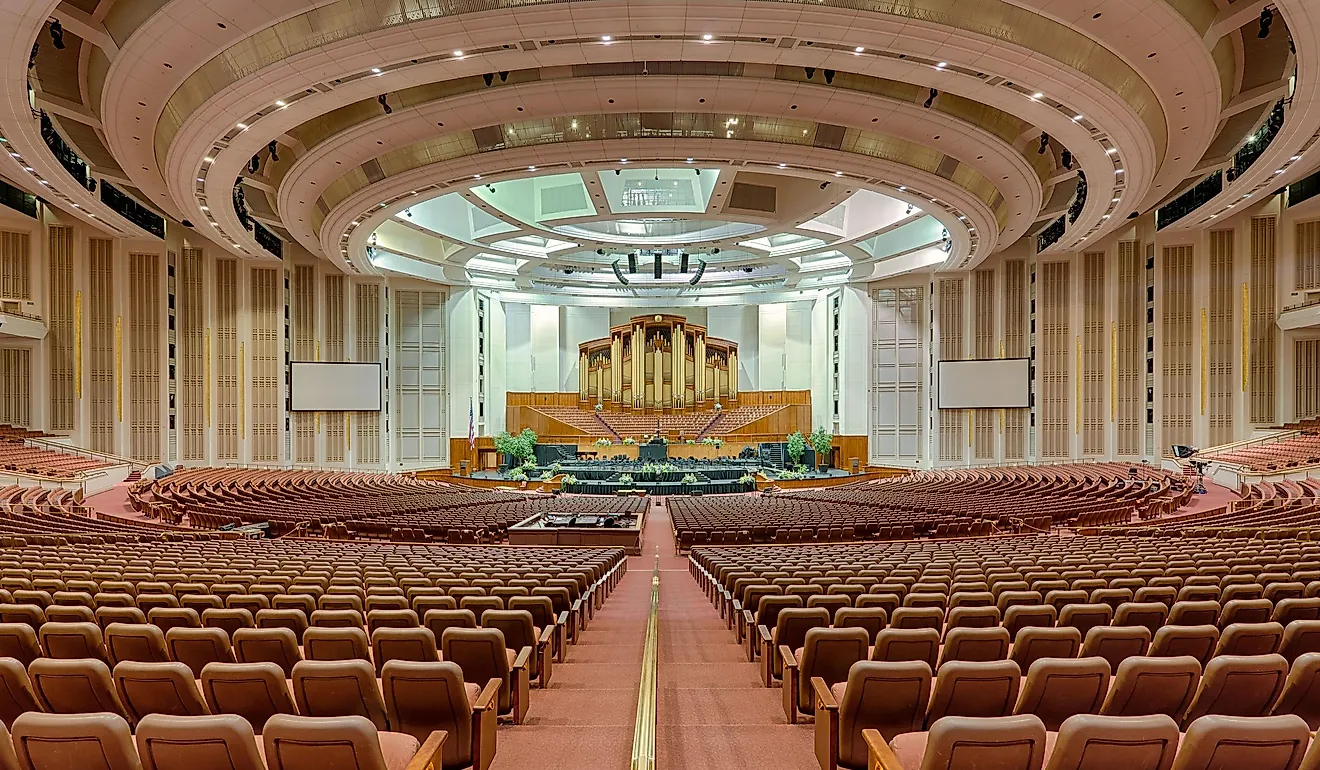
<point x="701" y="269"/>
<point x="623" y="279"/>
<point x="657" y="266"/>
<point x="683" y="263"/>
<point x="632" y="262"/>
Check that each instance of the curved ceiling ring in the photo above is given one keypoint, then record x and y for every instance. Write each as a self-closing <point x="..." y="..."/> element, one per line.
<point x="908" y="122"/>
<point x="282" y="120"/>
<point x="348" y="225"/>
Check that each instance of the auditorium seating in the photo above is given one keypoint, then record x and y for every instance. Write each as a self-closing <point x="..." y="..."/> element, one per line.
<point x="345" y="505"/>
<point x="943" y="503"/>
<point x="45" y="516"/>
<point x="19" y="457"/>
<point x="1275" y="456"/>
<point x="1269" y="509"/>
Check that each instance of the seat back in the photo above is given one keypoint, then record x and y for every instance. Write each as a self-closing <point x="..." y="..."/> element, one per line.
<point x="1034" y="643"/>
<point x="1301" y="692"/>
<point x="336" y="743"/>
<point x="1239" y="686"/>
<point x="254" y="691"/>
<point x="140" y="642"/>
<point x="1148" y="685"/>
<point x="1116" y="643"/>
<point x="403" y="644"/>
<point x="72" y="640"/>
<point x="1261" y="743"/>
<point x="889" y="697"/>
<point x="267" y="645"/>
<point x="903" y="644"/>
<point x="440" y="620"/>
<point x="1088" y="741"/>
<point x="336" y="644"/>
<point x="97" y="741"/>
<point x="157" y="688"/>
<point x="480" y="654"/>
<point x="423" y="697"/>
<point x="1058" y="688"/>
<point x="966" y="689"/>
<point x="338" y="688"/>
<point x="873" y="619"/>
<point x="1004" y="743"/>
<point x="16" y="694"/>
<point x="80" y="686"/>
<point x="1245" y="639"/>
<point x="195" y="647"/>
<point x="828" y="653"/>
<point x="166" y="618"/>
<point x="975" y="644"/>
<point x="19" y="641"/>
<point x="191" y="742"/>
<point x="1194" y="641"/>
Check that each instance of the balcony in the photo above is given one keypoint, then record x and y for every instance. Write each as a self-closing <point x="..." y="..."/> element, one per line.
<point x="1304" y="189"/>
<point x="1050" y="235"/>
<point x="65" y="154"/>
<point x="17" y="199"/>
<point x="1256" y="144"/>
<point x="268" y="240"/>
<point x="131" y="210"/>
<point x="1191" y="200"/>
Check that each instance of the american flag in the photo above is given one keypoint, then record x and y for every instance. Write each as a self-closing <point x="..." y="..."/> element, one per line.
<point x="472" y="426"/>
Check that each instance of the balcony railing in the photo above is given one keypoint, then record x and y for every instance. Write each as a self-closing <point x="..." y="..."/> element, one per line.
<point x="18" y="199"/>
<point x="131" y="210"/>
<point x="1079" y="198"/>
<point x="1050" y="235"/>
<point x="65" y="154"/>
<point x="268" y="240"/>
<point x="1189" y="201"/>
<point x="1304" y="189"/>
<point x="1255" y="145"/>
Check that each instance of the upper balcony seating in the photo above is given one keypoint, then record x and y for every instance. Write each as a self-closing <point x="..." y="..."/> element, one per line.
<point x="38" y="461"/>
<point x="51" y="515"/>
<point x="1276" y="456"/>
<point x="1283" y="508"/>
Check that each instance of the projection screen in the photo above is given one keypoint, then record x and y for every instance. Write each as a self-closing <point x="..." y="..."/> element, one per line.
<point x="336" y="387"/>
<point x="989" y="384"/>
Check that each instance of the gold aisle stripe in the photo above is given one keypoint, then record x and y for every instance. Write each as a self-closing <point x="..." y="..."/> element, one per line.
<point x="1205" y="357"/>
<point x="77" y="344"/>
<point x="643" y="748"/>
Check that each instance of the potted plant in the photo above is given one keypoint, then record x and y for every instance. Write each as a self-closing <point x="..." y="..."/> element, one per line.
<point x="747" y="478"/>
<point x="822" y="441"/>
<point x="625" y="478"/>
<point x="797" y="445"/>
<point x="629" y="441"/>
<point x="690" y="478"/>
<point x="603" y="442"/>
<point x="567" y="481"/>
<point x="546" y="475"/>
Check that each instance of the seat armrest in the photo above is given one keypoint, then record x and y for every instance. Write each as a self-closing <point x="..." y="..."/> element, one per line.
<point x="561" y="635"/>
<point x="428" y="757"/>
<point x="827" y="725"/>
<point x="486" y="700"/>
<point x="764" y="640"/>
<point x="545" y="652"/>
<point x="879" y="756"/>
<point x="485" y="715"/>
<point x="520" y="684"/>
<point x="523" y="657"/>
<point x="824" y="698"/>
<point x="790" y="691"/>
<point x="579" y="620"/>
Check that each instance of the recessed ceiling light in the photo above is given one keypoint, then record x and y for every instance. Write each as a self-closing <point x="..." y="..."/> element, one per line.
<point x="623" y="160"/>
<point x="783" y="165"/>
<point x="1112" y="150"/>
<point x="200" y="179"/>
<point x="1295" y="157"/>
<point x="902" y="187"/>
<point x="1106" y="216"/>
<point x="1280" y="171"/>
<point x="531" y="168"/>
<point x="1077" y="117"/>
<point x="43" y="181"/>
<point x="476" y="176"/>
<point x="208" y="159"/>
<point x="1118" y="171"/>
<point x="1114" y="200"/>
<point x="206" y="208"/>
<point x="942" y="65"/>
<point x="689" y="160"/>
<point x="858" y="49"/>
<point x="838" y="173"/>
<point x="376" y="70"/>
<point x="16" y="155"/>
<point x="459" y="54"/>
<point x="606" y="38"/>
<point x="1037" y="95"/>
<point x="706" y="37"/>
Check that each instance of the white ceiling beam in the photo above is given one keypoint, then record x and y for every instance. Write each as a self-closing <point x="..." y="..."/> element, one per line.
<point x="65" y="108"/>
<point x="87" y="28"/>
<point x="1234" y="17"/>
<point x="1266" y="94"/>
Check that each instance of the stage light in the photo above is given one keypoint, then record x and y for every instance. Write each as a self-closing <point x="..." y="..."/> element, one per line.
<point x="254" y="164"/>
<point x="811" y="72"/>
<point x="1066" y="158"/>
<point x="57" y="34"/>
<point x="701" y="270"/>
<point x="504" y="75"/>
<point x="1266" y="19"/>
<point x="829" y="77"/>
<point x="385" y="104"/>
<point x="931" y="99"/>
<point x="623" y="279"/>
<point x="489" y="77"/>
<point x="274" y="149"/>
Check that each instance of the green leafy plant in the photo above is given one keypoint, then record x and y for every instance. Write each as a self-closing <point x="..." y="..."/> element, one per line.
<point x="821" y="441"/>
<point x="746" y="478"/>
<point x="529" y="464"/>
<point x="797" y="445"/>
<point x="521" y="446"/>
<point x="690" y="478"/>
<point x="603" y="442"/>
<point x="626" y="478"/>
<point x="629" y="441"/>
<point x="517" y="474"/>
<point x="547" y="475"/>
<point x="568" y="481"/>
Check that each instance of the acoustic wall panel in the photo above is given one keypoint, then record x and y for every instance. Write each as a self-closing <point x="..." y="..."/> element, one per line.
<point x="1220" y="370"/>
<point x="59" y="330"/>
<point x="144" y="376"/>
<point x="336" y="436"/>
<point x="1015" y="346"/>
<point x="1261" y="408"/>
<point x="1178" y="334"/>
<point x="1129" y="350"/>
<point x="1094" y="392"/>
<point x="101" y="343"/>
<point x="897" y="375"/>
<point x="1056" y="360"/>
<point x="952" y="421"/>
<point x="193" y="364"/>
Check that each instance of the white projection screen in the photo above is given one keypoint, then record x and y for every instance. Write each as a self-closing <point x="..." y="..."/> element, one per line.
<point x="336" y="387"/>
<point x="1000" y="383"/>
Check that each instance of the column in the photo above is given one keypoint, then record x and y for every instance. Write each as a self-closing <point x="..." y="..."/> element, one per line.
<point x="583" y="375"/>
<point x="616" y="367"/>
<point x="733" y="373"/>
<point x="680" y="371"/>
<point x="699" y="376"/>
<point x="639" y="367"/>
<point x="659" y="377"/>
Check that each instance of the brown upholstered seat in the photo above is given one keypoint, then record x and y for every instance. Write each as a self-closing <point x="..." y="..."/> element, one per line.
<point x="1175" y="641"/>
<point x="966" y="689"/>
<point x="226" y="741"/>
<point x="16" y="694"/>
<point x="1300" y="637"/>
<point x="293" y="619"/>
<point x="343" y="743"/>
<point x="873" y="619"/>
<point x="1058" y="688"/>
<point x="975" y="644"/>
<point x="1261" y="743"/>
<point x="421" y="698"/>
<point x="141" y="642"/>
<point x="195" y="647"/>
<point x="157" y="688"/>
<point x="97" y="741"/>
<point x="1301" y="691"/>
<point x="72" y="640"/>
<point x="481" y="654"/>
<point x="19" y="641"/>
<point x="267" y="645"/>
<point x="1116" y="643"/>
<point x="1033" y="643"/>
<point x="349" y="643"/>
<point x="1239" y="686"/>
<point x="78" y="686"/>
<point x="790" y="630"/>
<point x="228" y="619"/>
<point x="968" y="743"/>
<point x="1248" y="639"/>
<point x="166" y="618"/>
<point x="338" y="688"/>
<point x="403" y="644"/>
<point x="519" y="632"/>
<point x="888" y="697"/>
<point x="902" y="644"/>
<point x="826" y="653"/>
<point x="1090" y="742"/>
<point x="254" y="691"/>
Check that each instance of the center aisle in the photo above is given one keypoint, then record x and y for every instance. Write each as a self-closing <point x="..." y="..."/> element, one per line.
<point x="584" y="719"/>
<point x="713" y="713"/>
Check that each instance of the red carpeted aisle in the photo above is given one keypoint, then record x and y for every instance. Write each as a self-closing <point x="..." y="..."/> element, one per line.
<point x="713" y="713"/>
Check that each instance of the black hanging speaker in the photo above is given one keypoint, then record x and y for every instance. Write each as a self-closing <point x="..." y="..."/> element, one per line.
<point x="657" y="265"/>
<point x="623" y="279"/>
<point x="632" y="262"/>
<point x="701" y="269"/>
<point x="683" y="263"/>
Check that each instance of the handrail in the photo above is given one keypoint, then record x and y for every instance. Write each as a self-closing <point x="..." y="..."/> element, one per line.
<point x="643" y="749"/>
<point x="88" y="453"/>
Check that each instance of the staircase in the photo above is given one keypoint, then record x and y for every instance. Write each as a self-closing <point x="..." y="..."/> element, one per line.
<point x="133" y="477"/>
<point x="710" y="426"/>
<point x="772" y="454"/>
<point x="607" y="426"/>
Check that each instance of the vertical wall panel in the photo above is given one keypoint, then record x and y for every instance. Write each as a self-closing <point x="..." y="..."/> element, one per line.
<point x="1260" y="390"/>
<point x="16" y="386"/>
<point x="15" y="265"/>
<point x="983" y="321"/>
<point x="1056" y="359"/>
<point x="952" y="422"/>
<point x="1178" y="334"/>
<point x="1129" y="339"/>
<point x="1094" y="392"/>
<point x="226" y="359"/>
<point x="1015" y="346"/>
<point x="897" y="375"/>
<point x="1306" y="357"/>
<point x="266" y="313"/>
<point x="421" y="397"/>
<point x="144" y="377"/>
<point x="192" y="357"/>
<point x="335" y="447"/>
<point x="367" y="309"/>
<point x="303" y="332"/>
<point x="101" y="343"/>
<point x="1308" y="256"/>
<point x="1220" y="368"/>
<point x="59" y="329"/>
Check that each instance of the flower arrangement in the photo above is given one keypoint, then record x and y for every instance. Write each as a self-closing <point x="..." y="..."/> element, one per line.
<point x="629" y="442"/>
<point x="715" y="442"/>
<point x="547" y="475"/>
<point x="517" y="474"/>
<point x="626" y="478"/>
<point x="600" y="407"/>
<point x="603" y="442"/>
<point x="690" y="441"/>
<point x="568" y="481"/>
<point x="690" y="478"/>
<point x="719" y="407"/>
<point x="747" y="478"/>
<point x="791" y="475"/>
<point x="529" y="464"/>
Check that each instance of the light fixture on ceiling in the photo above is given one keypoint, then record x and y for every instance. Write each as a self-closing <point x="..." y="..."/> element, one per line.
<point x="941" y="65"/>
<point x="375" y="70"/>
<point x="701" y="270"/>
<point x="934" y="94"/>
<point x="623" y="279"/>
<point x="1266" y="19"/>
<point x="1044" y="144"/>
<point x="57" y="35"/>
<point x="385" y="104"/>
<point x="605" y="38"/>
<point x="458" y="54"/>
<point x="274" y="149"/>
<point x="707" y="37"/>
<point x="1037" y="95"/>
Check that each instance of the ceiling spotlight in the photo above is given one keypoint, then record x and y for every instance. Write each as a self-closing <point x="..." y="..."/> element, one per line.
<point x="476" y="176"/>
<point x="489" y="77"/>
<point x="254" y="164"/>
<point x="858" y="49"/>
<point x="57" y="35"/>
<point x="280" y="103"/>
<point x="1037" y="95"/>
<point x="823" y="185"/>
<point x="1112" y="151"/>
<point x="241" y="126"/>
<point x="931" y="99"/>
<point x="1266" y="19"/>
<point x="941" y="65"/>
<point x="375" y="70"/>
<point x="274" y="149"/>
<point x="617" y="172"/>
<point x="706" y="37"/>
<point x="811" y="72"/>
<point x="783" y="165"/>
<point x="838" y="173"/>
<point x="459" y="54"/>
<point x="606" y="38"/>
<point x="689" y="160"/>
<point x="531" y="168"/>
<point x="1077" y="117"/>
<point x="490" y="188"/>
<point x="623" y="160"/>
<point x="829" y="77"/>
<point x="385" y="104"/>
<point x="908" y="212"/>
<point x="504" y="75"/>
<point x="1066" y="158"/>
